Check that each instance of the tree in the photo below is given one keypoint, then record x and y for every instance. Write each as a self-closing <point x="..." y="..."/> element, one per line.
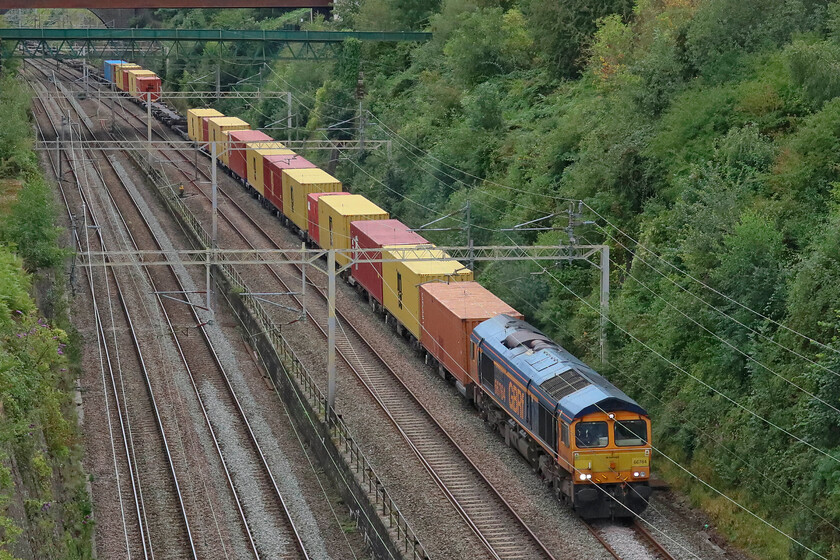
<point x="563" y="29"/>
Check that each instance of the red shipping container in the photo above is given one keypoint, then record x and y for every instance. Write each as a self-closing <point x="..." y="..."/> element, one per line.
<point x="375" y="234"/>
<point x="448" y="315"/>
<point x="146" y="85"/>
<point x="237" y="140"/>
<point x="273" y="167"/>
<point x="312" y="225"/>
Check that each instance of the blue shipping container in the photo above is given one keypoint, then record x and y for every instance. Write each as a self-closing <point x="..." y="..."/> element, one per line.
<point x="109" y="68"/>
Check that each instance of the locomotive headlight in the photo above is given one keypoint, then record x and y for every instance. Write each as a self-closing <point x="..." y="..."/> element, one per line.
<point x="582" y="476"/>
<point x="639" y="474"/>
<point x="636" y="474"/>
<point x="588" y="476"/>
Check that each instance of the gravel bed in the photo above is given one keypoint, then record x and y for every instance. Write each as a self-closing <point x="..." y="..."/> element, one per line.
<point x="624" y="541"/>
<point x="182" y="430"/>
<point x="307" y="499"/>
<point x="686" y="532"/>
<point x="99" y="460"/>
<point x="549" y="519"/>
<point x="439" y="528"/>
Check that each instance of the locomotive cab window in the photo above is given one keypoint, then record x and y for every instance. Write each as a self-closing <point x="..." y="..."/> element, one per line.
<point x="564" y="433"/>
<point x="630" y="432"/>
<point x="399" y="290"/>
<point x="331" y="232"/>
<point x="591" y="434"/>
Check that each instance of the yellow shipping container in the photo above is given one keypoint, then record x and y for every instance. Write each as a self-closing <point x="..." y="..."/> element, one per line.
<point x="132" y="79"/>
<point x="334" y="216"/>
<point x="216" y="126"/>
<point x="195" y="122"/>
<point x="298" y="184"/>
<point x="120" y="80"/>
<point x="401" y="280"/>
<point x="254" y="160"/>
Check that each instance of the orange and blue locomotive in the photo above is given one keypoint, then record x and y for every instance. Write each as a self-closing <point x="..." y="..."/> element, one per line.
<point x="588" y="439"/>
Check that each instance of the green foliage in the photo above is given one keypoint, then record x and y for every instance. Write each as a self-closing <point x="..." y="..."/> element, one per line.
<point x="488" y="42"/>
<point x="708" y="131"/>
<point x="815" y="68"/>
<point x="37" y="426"/>
<point x="30" y="228"/>
<point x="563" y="29"/>
<point x="28" y="225"/>
<point x="722" y="28"/>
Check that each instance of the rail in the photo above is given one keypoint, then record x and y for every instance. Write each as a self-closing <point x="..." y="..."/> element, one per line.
<point x="297" y="373"/>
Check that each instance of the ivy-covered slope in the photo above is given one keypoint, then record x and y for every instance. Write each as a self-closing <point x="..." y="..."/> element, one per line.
<point x="704" y="137"/>
<point x="45" y="510"/>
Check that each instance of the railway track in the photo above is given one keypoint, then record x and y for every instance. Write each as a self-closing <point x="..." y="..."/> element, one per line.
<point x="484" y="510"/>
<point x="487" y="514"/>
<point x="628" y="541"/>
<point x="166" y="525"/>
<point x="268" y="525"/>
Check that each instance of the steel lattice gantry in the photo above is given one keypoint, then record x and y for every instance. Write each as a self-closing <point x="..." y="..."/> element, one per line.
<point x="137" y="44"/>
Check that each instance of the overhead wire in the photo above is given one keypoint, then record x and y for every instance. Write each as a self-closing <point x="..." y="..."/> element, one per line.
<point x="727" y="343"/>
<point x="616" y="228"/>
<point x="745" y="354"/>
<point x="732" y="454"/>
<point x="729" y="399"/>
<point x="626" y="332"/>
<point x="710" y="288"/>
<point x="637" y="257"/>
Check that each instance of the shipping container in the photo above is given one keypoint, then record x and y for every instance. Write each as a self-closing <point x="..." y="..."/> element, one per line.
<point x="215" y="128"/>
<point x="273" y="167"/>
<point x="148" y="86"/>
<point x="195" y="122"/>
<point x="298" y="184"/>
<point x="234" y="156"/>
<point x="121" y="73"/>
<point x="109" y="68"/>
<point x="256" y="158"/>
<point x="375" y="234"/>
<point x="312" y="226"/>
<point x="335" y="214"/>
<point x="402" y="280"/>
<point x="448" y="315"/>
<point x="133" y="74"/>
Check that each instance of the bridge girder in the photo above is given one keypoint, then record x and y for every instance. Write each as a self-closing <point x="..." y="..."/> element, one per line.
<point x="141" y="44"/>
<point x="131" y="4"/>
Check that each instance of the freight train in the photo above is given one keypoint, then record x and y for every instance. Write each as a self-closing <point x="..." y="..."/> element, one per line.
<point x="588" y="440"/>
